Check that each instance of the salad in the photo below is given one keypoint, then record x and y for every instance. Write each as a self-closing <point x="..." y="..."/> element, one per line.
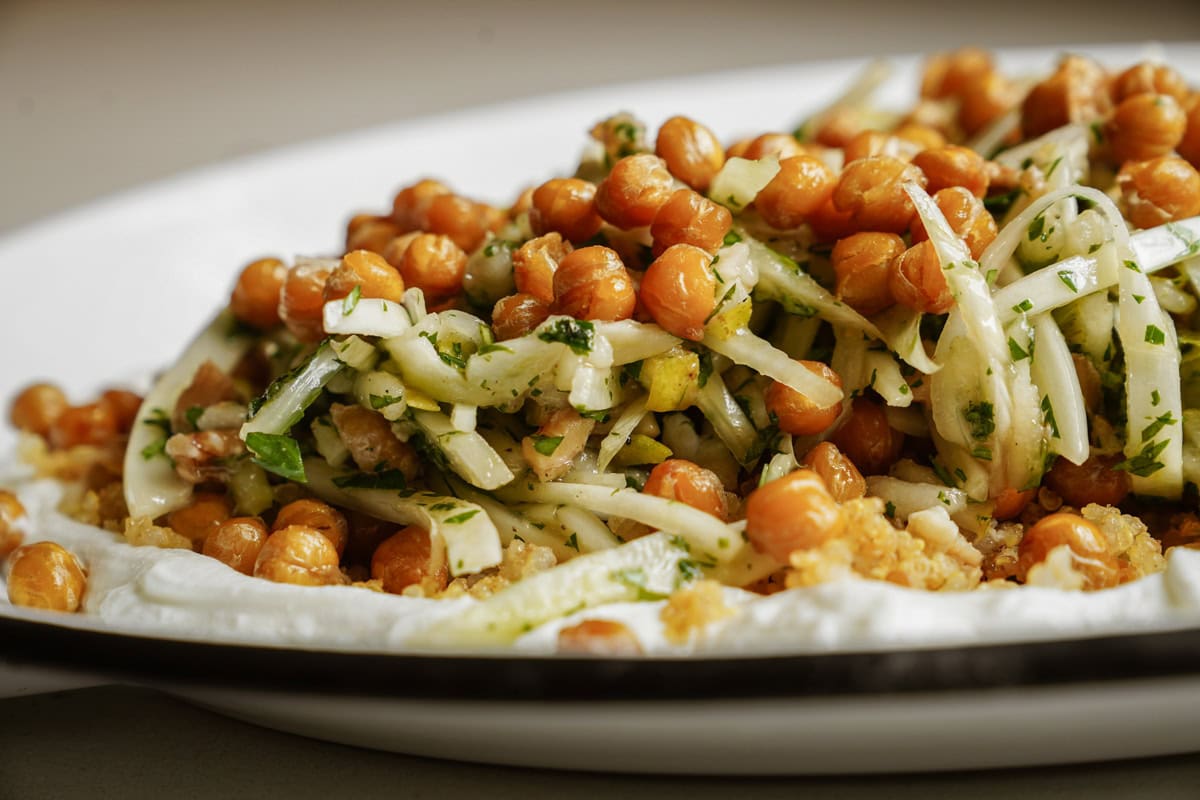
<point x="951" y="349"/>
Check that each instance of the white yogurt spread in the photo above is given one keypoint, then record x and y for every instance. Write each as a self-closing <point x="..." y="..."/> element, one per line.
<point x="183" y="595"/>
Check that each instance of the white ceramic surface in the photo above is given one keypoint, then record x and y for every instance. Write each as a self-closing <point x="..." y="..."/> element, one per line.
<point x="111" y="291"/>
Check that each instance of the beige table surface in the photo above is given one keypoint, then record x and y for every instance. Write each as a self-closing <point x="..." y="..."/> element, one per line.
<point x="97" y="97"/>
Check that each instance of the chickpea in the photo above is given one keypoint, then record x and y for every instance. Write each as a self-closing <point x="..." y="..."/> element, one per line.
<point x="925" y="137"/>
<point x="986" y="98"/>
<point x="434" y="264"/>
<point x="838" y="473"/>
<point x="405" y="559"/>
<point x="795" y="512"/>
<point x="691" y="151"/>
<point x="592" y="283"/>
<point x="517" y="315"/>
<point x="1148" y="77"/>
<point x="1161" y="190"/>
<point x="393" y="252"/>
<point x="255" y="298"/>
<point x="411" y="204"/>
<point x="783" y="145"/>
<point x="867" y="439"/>
<point x="368" y="271"/>
<point x="47" y="576"/>
<point x="200" y="517"/>
<point x="298" y="555"/>
<point x="11" y="511"/>
<point x="301" y="304"/>
<point x="237" y="542"/>
<point x="839" y="126"/>
<point x="464" y="221"/>
<point x="319" y="516"/>
<point x="534" y="264"/>
<point x="368" y="232"/>
<point x="1145" y="126"/>
<point x="1087" y="544"/>
<point x="1076" y="92"/>
<point x="917" y="281"/>
<point x="1189" y="145"/>
<point x="802" y="185"/>
<point x="90" y="424"/>
<point x="634" y="191"/>
<point x="861" y="263"/>
<point x="829" y="224"/>
<point x="679" y="291"/>
<point x="682" y="480"/>
<point x="523" y="204"/>
<point x="797" y="414"/>
<point x="690" y="218"/>
<point x="565" y="205"/>
<point x="620" y="135"/>
<point x="968" y="217"/>
<point x="1010" y="503"/>
<point x="37" y="407"/>
<point x="599" y="637"/>
<point x="372" y="445"/>
<point x="869" y="143"/>
<point x="1093" y="481"/>
<point x="951" y="74"/>
<point x="124" y="406"/>
<point x="872" y="190"/>
<point x="953" y="166"/>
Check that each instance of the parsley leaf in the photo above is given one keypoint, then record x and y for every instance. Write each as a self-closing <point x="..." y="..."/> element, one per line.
<point x="278" y="454"/>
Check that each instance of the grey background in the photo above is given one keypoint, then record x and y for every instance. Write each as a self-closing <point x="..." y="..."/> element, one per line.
<point x="97" y="97"/>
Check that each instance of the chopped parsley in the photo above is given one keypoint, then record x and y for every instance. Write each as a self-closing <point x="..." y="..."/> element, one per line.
<point x="1145" y="463"/>
<point x="458" y="519"/>
<point x="379" y="401"/>
<point x="574" y="333"/>
<point x="1023" y="306"/>
<point x="1015" y="350"/>
<point x="1151" y="430"/>
<point x="1154" y="335"/>
<point x="351" y="301"/>
<point x="573" y="542"/>
<point x="1048" y="416"/>
<point x="278" y="454"/>
<point x="1068" y="280"/>
<point x="193" y="416"/>
<point x="546" y="445"/>
<point x="981" y="417"/>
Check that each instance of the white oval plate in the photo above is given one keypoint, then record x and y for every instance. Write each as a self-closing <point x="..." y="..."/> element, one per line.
<point x="115" y="288"/>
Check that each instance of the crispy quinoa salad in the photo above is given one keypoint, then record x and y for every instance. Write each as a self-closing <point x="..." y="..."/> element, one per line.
<point x="952" y="348"/>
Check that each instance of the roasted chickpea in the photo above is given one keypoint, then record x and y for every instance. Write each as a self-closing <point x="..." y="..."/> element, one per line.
<point x="255" y="298"/>
<point x="47" y="576"/>
<point x="371" y="442"/>
<point x="925" y="137"/>
<point x="11" y="512"/>
<point x="523" y="204"/>
<point x="1158" y="191"/>
<point x="868" y="143"/>
<point x="1145" y="126"/>
<point x="872" y="190"/>
<point x="565" y="205"/>
<point x="405" y="559"/>
<point x="463" y="221"/>
<point x="802" y="185"/>
<point x="200" y="517"/>
<point x="1093" y="481"/>
<point x="682" y="480"/>
<point x="840" y="476"/>
<point x="1076" y="92"/>
<point x="37" y="407"/>
<point x="592" y="283"/>
<point x="368" y="232"/>
<point x="795" y="512"/>
<point x="691" y="151"/>
<point x="124" y="406"/>
<point x="917" y="281"/>
<point x="828" y="224"/>
<point x="1189" y="145"/>
<point x="1087" y="544"/>
<point x="393" y="252"/>
<point x="302" y="302"/>
<point x="634" y="191"/>
<point x="319" y="516"/>
<point x="679" y="291"/>
<point x="411" y="205"/>
<point x="89" y="424"/>
<point x="1010" y="503"/>
<point x="517" y="315"/>
<point x="1148" y="77"/>
<point x="535" y="262"/>
<point x="968" y="217"/>
<point x="953" y="166"/>
<point x="861" y="263"/>
<point x="797" y="414"/>
<point x="434" y="264"/>
<point x="599" y="637"/>
<point x="237" y="542"/>
<point x="783" y="145"/>
<point x="298" y="555"/>
<point x="368" y="271"/>
<point x="838" y="126"/>
<point x="986" y="98"/>
<point x="951" y="74"/>
<point x="689" y="218"/>
<point x="867" y="439"/>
